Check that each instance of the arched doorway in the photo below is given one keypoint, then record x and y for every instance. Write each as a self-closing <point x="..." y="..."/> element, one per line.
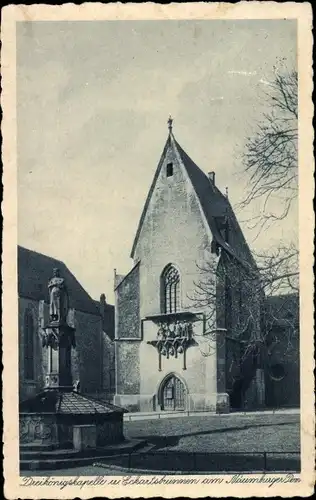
<point x="173" y="394"/>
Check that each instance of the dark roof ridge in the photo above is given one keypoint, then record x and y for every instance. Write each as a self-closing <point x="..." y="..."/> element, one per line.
<point x="203" y="188"/>
<point x="188" y="157"/>
<point x="34" y="272"/>
<point x="42" y="254"/>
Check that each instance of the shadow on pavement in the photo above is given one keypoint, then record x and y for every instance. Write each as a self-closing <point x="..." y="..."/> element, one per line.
<point x="202" y="462"/>
<point x="161" y="442"/>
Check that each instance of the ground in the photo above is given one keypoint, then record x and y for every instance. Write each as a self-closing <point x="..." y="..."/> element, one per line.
<point x="226" y="433"/>
<point x="238" y="441"/>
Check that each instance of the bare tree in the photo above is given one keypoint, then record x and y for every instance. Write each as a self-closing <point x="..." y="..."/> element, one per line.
<point x="279" y="270"/>
<point x="230" y="292"/>
<point x="271" y="163"/>
<point x="233" y="294"/>
<point x="271" y="153"/>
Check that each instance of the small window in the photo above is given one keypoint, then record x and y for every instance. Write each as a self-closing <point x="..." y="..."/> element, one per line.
<point x="170" y="170"/>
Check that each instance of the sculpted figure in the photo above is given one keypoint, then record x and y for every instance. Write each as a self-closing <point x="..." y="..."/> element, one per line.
<point x="76" y="386"/>
<point x="58" y="298"/>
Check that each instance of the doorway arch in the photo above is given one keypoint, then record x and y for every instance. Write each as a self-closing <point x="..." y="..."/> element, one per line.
<point x="173" y="393"/>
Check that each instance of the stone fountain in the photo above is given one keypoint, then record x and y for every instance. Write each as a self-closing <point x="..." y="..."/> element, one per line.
<point x="59" y="418"/>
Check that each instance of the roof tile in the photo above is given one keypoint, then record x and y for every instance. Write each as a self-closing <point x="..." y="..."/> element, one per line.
<point x="61" y="402"/>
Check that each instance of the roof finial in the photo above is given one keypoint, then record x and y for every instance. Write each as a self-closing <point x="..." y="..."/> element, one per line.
<point x="170" y="121"/>
<point x="226" y="191"/>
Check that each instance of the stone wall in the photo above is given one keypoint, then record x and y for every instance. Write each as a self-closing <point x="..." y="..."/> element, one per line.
<point x="28" y="388"/>
<point x="57" y="430"/>
<point x="110" y="431"/>
<point x="89" y="351"/>
<point x="127" y="296"/>
<point x="127" y="374"/>
<point x="108" y="367"/>
<point x="38" y="429"/>
<point x="127" y="326"/>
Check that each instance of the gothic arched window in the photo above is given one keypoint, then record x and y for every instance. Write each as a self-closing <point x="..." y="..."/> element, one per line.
<point x="28" y="328"/>
<point x="170" y="289"/>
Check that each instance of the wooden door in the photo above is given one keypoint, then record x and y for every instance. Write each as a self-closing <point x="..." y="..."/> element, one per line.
<point x="173" y="395"/>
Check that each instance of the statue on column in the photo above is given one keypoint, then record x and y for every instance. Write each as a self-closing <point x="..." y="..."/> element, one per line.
<point x="58" y="298"/>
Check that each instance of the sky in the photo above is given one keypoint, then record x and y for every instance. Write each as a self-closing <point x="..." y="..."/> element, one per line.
<point x="93" y="100"/>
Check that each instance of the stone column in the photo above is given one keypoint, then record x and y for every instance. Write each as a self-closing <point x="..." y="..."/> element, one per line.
<point x="59" y="341"/>
<point x="59" y="335"/>
<point x="64" y="361"/>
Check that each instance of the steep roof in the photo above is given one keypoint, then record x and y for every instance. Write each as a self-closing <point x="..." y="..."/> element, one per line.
<point x="214" y="205"/>
<point x="34" y="272"/>
<point x="72" y="403"/>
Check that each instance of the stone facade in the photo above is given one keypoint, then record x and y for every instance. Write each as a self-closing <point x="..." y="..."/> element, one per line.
<point x="38" y="429"/>
<point x="28" y="386"/>
<point x="107" y="312"/>
<point x="53" y="428"/>
<point x="177" y="228"/>
<point x="108" y="367"/>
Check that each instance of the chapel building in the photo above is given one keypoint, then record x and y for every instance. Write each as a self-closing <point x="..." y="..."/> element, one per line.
<point x="188" y="315"/>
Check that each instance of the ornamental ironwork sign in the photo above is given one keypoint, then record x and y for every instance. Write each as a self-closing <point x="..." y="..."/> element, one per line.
<point x="173" y="339"/>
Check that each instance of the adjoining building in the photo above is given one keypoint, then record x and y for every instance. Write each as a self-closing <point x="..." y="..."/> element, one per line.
<point x="187" y="334"/>
<point x="93" y="364"/>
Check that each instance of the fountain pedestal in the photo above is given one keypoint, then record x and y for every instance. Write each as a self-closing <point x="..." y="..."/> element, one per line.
<point x="59" y="339"/>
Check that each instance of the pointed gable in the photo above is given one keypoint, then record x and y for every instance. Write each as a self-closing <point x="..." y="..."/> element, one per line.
<point x="151" y="190"/>
<point x="214" y="205"/>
